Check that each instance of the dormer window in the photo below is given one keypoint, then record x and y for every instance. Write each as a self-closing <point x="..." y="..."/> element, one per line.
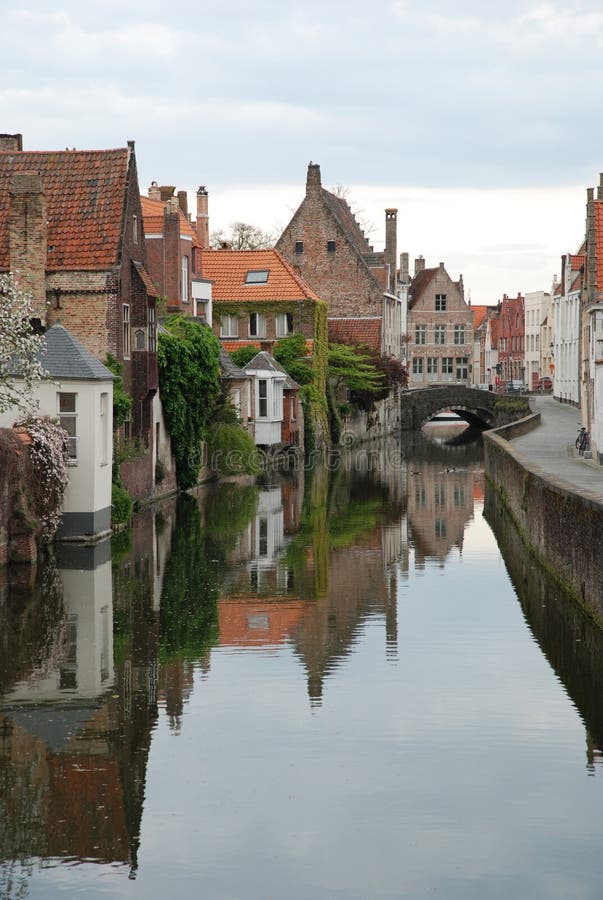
<point x="257" y="276"/>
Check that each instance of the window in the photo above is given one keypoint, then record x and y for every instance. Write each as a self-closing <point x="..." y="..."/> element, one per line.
<point x="440" y="302"/>
<point x="104" y="429"/>
<point x="263" y="536"/>
<point x="184" y="285"/>
<point x="284" y="324"/>
<point x="439" y="495"/>
<point x="126" y="330"/>
<point x="152" y="330"/>
<point x="262" y="398"/>
<point x="461" y="369"/>
<point x="330" y="246"/>
<point x="459" y="334"/>
<point x="459" y="494"/>
<point x="440" y="334"/>
<point x="432" y="368"/>
<point x="257" y="276"/>
<point x="446" y="368"/>
<point x="135" y="229"/>
<point x="420" y="334"/>
<point x="67" y="410"/>
<point x="277" y="400"/>
<point x="440" y="528"/>
<point x="139" y="339"/>
<point x="417" y="368"/>
<point x="229" y="326"/>
<point x="257" y="325"/>
<point x="299" y="246"/>
<point x="420" y="496"/>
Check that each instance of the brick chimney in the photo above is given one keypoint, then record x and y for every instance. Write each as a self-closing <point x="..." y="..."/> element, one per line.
<point x="171" y="251"/>
<point x="167" y="191"/>
<point x="419" y="265"/>
<point x="11" y="143"/>
<point x="202" y="223"/>
<point x="391" y="247"/>
<point x="313" y="183"/>
<point x="154" y="191"/>
<point x="27" y="236"/>
<point x="183" y="202"/>
<point x="404" y="268"/>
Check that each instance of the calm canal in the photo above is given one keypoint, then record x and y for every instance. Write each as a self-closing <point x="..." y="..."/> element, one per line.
<point x="344" y="684"/>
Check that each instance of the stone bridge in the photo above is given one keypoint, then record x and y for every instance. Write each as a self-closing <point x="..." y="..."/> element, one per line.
<point x="474" y="406"/>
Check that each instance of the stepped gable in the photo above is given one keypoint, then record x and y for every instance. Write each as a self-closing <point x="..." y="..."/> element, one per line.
<point x="85" y="192"/>
<point x="419" y="284"/>
<point x="340" y="208"/>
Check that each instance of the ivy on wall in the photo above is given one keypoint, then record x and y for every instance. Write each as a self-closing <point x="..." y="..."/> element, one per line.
<point x="189" y="380"/>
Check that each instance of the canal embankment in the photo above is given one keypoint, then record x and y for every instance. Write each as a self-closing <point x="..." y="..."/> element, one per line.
<point x="552" y="496"/>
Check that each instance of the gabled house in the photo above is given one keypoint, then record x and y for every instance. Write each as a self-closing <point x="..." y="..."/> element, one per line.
<point x="478" y="373"/>
<point x="565" y="303"/>
<point x="327" y="246"/>
<point x="237" y="386"/>
<point x="276" y="412"/>
<point x="440" y="324"/>
<point x="78" y="391"/>
<point x="71" y="226"/>
<point x="174" y="247"/>
<point x="511" y="338"/>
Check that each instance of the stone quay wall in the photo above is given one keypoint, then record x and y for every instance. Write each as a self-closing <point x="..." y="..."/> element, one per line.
<point x="560" y="526"/>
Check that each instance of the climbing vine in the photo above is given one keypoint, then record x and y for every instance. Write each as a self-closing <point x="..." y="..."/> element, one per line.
<point x="189" y="380"/>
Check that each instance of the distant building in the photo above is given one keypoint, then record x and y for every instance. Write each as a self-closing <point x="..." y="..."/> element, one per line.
<point x="565" y="305"/>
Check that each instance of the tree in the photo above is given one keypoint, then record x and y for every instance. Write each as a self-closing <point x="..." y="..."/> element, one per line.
<point x="354" y="370"/>
<point x="20" y="345"/>
<point x="242" y="236"/>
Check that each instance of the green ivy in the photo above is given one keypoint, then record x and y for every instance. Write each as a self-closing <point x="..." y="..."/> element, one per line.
<point x="122" y="404"/>
<point x="231" y="450"/>
<point x="189" y="380"/>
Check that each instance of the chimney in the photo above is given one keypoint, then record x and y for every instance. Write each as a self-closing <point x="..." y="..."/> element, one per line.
<point x="313" y="183"/>
<point x="11" y="143"/>
<point x="391" y="247"/>
<point x="183" y="202"/>
<point x="404" y="268"/>
<point x="419" y="265"/>
<point x="202" y="224"/>
<point x="171" y="249"/>
<point x="600" y="188"/>
<point x="154" y="191"/>
<point x="167" y="191"/>
<point x="27" y="236"/>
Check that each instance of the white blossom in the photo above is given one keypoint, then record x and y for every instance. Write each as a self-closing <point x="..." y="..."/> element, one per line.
<point x="19" y="345"/>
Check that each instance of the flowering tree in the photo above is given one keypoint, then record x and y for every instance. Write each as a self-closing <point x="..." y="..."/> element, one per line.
<point x="19" y="345"/>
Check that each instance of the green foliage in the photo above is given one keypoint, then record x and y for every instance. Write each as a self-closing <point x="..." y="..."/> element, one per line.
<point x="231" y="450"/>
<point x="121" y="505"/>
<point x="122" y="404"/>
<point x="292" y="354"/>
<point x="189" y="599"/>
<point x="354" y="370"/>
<point x="159" y="471"/>
<point x="189" y="379"/>
<point x="244" y="355"/>
<point x="228" y="510"/>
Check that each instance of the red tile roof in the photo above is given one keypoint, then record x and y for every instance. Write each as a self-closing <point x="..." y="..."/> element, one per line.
<point x="231" y="346"/>
<point x="362" y="332"/>
<point x="153" y="212"/>
<point x="576" y="261"/>
<point x="479" y="314"/>
<point x="228" y="268"/>
<point x="85" y="193"/>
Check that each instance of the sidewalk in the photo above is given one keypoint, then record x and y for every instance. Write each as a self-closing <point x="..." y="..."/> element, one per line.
<point x="551" y="446"/>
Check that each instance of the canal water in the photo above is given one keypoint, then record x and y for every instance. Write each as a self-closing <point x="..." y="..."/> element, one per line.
<point x="347" y="683"/>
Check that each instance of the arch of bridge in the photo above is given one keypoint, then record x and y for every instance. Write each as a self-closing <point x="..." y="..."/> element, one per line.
<point x="474" y="405"/>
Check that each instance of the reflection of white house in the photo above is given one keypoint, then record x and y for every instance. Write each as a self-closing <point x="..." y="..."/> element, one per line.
<point x="268" y="383"/>
<point x="78" y="391"/>
<point x="81" y="666"/>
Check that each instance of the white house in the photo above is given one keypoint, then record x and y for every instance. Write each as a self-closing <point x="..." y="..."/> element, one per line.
<point x="268" y="384"/>
<point x="78" y="391"/>
<point x="566" y="329"/>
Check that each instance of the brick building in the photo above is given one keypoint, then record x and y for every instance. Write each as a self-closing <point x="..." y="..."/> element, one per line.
<point x="511" y="338"/>
<point x="71" y="226"/>
<point x="440" y="325"/>
<point x="326" y="245"/>
<point x="173" y="245"/>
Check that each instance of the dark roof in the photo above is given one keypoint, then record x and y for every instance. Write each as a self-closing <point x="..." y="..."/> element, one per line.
<point x="146" y="279"/>
<point x="64" y="357"/>
<point x="85" y="196"/>
<point x="228" y="367"/>
<point x="264" y="361"/>
<point x="344" y="215"/>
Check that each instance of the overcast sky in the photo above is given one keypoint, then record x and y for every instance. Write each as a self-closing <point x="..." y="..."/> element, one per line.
<point x="482" y="125"/>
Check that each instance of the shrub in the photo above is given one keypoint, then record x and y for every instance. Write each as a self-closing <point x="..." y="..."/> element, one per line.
<point x="49" y="453"/>
<point x="121" y="505"/>
<point x="231" y="450"/>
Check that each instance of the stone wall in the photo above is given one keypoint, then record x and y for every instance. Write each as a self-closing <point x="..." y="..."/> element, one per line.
<point x="561" y="529"/>
<point x="363" y="426"/>
<point x="19" y="523"/>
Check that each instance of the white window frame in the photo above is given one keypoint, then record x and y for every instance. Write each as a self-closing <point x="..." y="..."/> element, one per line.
<point x="262" y="398"/>
<point x="459" y="335"/>
<point x="439" y="335"/>
<point x="229" y="326"/>
<point x="184" y="292"/>
<point x="282" y="324"/>
<point x="260" y="325"/>
<point x="65" y="416"/>
<point x="104" y="428"/>
<point x="420" y="335"/>
<point x="440" y="302"/>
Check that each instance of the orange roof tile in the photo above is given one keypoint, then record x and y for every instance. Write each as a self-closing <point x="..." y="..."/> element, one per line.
<point x="362" y="332"/>
<point x="85" y="192"/>
<point x="576" y="261"/>
<point x="479" y="314"/>
<point x="153" y="212"/>
<point x="228" y="268"/>
<point x="231" y="346"/>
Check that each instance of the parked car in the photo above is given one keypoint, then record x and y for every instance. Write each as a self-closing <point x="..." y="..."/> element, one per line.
<point x="515" y="387"/>
<point x="544" y="384"/>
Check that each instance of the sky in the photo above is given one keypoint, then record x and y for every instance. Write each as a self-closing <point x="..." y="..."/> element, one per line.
<point x="479" y="124"/>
